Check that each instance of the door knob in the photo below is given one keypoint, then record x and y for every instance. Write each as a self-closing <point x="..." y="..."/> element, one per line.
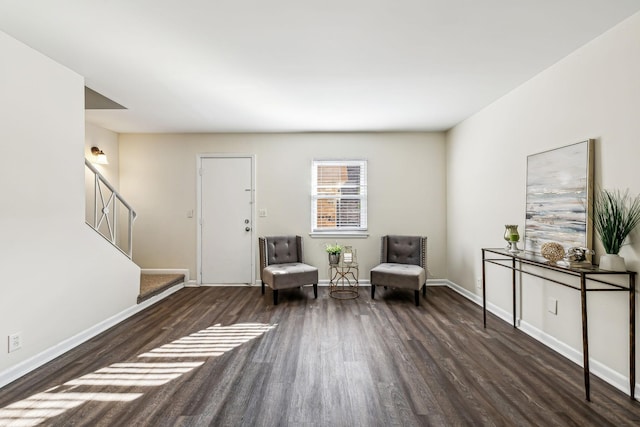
<point x="247" y="229"/>
<point x="246" y="221"/>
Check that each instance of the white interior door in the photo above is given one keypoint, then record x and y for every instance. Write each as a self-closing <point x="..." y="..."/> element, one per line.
<point x="226" y="220"/>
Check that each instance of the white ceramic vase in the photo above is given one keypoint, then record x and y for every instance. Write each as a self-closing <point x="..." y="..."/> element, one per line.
<point x="612" y="262"/>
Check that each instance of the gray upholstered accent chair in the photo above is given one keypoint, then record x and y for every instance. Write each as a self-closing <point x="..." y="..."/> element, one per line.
<point x="282" y="265"/>
<point x="403" y="264"/>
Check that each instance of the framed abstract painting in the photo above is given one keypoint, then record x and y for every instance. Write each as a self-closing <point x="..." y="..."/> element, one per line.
<point x="559" y="197"/>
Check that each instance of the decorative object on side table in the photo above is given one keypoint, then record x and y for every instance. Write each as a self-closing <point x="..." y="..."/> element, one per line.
<point x="552" y="251"/>
<point x="349" y="255"/>
<point x="512" y="237"/>
<point x="615" y="215"/>
<point x="577" y="257"/>
<point x="334" y="252"/>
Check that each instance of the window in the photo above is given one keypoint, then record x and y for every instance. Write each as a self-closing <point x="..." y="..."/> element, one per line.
<point x="339" y="195"/>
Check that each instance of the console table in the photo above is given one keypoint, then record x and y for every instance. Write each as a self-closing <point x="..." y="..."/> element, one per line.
<point x="598" y="280"/>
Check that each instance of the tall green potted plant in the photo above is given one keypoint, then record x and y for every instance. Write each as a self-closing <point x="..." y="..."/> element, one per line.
<point x="615" y="215"/>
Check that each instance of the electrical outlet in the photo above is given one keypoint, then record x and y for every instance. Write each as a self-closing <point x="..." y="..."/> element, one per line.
<point x="478" y="283"/>
<point x="15" y="342"/>
<point x="552" y="305"/>
<point x="262" y="212"/>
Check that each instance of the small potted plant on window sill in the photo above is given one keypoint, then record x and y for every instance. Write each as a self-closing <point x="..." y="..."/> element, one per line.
<point x="334" y="252"/>
<point x="615" y="215"/>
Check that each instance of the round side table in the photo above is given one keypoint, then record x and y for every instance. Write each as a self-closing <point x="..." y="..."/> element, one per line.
<point x="343" y="280"/>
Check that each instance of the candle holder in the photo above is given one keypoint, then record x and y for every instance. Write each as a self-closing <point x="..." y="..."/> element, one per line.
<point x="512" y="237"/>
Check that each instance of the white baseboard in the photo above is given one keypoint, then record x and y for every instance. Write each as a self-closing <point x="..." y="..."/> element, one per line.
<point x="366" y="282"/>
<point x="437" y="282"/>
<point x="321" y="283"/>
<point x="325" y="282"/>
<point x="498" y="311"/>
<point x="598" y="369"/>
<point x="9" y="375"/>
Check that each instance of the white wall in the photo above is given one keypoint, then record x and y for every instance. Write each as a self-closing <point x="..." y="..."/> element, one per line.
<point x="593" y="93"/>
<point x="406" y="173"/>
<point x="59" y="278"/>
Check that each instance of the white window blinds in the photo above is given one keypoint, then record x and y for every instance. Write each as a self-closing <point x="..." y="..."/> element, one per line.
<point x="339" y="195"/>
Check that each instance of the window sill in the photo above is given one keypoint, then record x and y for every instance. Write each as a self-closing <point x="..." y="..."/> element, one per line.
<point x="342" y="234"/>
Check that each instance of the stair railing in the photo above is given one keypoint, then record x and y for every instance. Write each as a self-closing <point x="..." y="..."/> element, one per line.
<point x="108" y="207"/>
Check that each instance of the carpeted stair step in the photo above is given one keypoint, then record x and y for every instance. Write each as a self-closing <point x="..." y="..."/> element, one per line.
<point x="153" y="284"/>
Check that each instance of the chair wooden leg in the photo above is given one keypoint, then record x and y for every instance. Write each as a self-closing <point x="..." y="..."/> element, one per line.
<point x="315" y="290"/>
<point x="275" y="297"/>
<point x="424" y="290"/>
<point x="262" y="288"/>
<point x="417" y="295"/>
<point x="373" y="291"/>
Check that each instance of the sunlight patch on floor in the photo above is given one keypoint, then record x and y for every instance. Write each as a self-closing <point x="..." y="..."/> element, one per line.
<point x="42" y="406"/>
<point x="210" y="342"/>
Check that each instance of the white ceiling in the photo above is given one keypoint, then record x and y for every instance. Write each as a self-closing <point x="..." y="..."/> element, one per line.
<point x="304" y="65"/>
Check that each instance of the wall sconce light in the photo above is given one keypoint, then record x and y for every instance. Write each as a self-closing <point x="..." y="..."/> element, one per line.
<point x="100" y="157"/>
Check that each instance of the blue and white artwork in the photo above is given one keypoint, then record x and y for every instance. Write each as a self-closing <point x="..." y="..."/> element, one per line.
<point x="559" y="196"/>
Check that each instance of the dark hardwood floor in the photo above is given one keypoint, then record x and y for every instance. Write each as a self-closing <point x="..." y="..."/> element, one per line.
<point x="228" y="357"/>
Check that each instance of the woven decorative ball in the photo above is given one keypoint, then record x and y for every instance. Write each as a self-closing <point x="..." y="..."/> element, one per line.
<point x="552" y="251"/>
